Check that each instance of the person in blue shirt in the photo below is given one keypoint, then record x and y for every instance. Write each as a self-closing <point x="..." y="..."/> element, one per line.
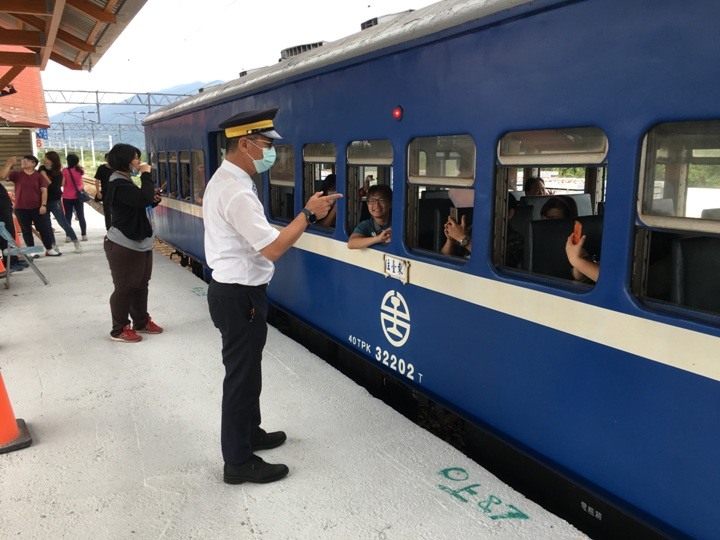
<point x="375" y="230"/>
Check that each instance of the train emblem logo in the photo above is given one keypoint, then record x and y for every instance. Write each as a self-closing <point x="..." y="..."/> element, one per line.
<point x="395" y="318"/>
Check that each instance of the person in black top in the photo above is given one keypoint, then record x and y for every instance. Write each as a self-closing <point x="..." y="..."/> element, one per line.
<point x="52" y="172"/>
<point x="102" y="177"/>
<point x="129" y="242"/>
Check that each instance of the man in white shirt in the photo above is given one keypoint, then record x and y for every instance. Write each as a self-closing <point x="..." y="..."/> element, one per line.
<point x="240" y="247"/>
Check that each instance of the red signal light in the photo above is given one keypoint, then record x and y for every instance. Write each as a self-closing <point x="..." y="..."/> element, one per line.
<point x="397" y="113"/>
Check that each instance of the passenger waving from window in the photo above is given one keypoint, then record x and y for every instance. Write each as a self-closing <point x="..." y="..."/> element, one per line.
<point x="375" y="230"/>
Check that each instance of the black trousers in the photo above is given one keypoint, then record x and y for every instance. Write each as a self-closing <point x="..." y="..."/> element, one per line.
<point x="28" y="217"/>
<point x="240" y="313"/>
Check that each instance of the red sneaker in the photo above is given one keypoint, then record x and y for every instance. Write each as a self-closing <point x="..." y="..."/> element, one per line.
<point x="149" y="328"/>
<point x="128" y="335"/>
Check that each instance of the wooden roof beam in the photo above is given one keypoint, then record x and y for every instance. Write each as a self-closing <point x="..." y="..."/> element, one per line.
<point x="62" y="35"/>
<point x="92" y="11"/>
<point x="52" y="30"/>
<point x="25" y="38"/>
<point x="10" y="76"/>
<point x="28" y="7"/>
<point x="19" y="59"/>
<point x="65" y="62"/>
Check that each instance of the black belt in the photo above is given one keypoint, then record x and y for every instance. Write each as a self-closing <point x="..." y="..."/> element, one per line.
<point x="239" y="285"/>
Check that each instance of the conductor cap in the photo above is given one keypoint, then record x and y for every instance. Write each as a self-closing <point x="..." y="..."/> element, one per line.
<point x="252" y="123"/>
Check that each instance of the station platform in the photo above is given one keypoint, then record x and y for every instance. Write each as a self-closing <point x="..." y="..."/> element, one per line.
<point x="126" y="437"/>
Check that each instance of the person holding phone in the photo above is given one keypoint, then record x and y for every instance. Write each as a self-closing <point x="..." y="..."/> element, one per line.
<point x="583" y="268"/>
<point x="241" y="247"/>
<point x="458" y="236"/>
<point x="129" y="242"/>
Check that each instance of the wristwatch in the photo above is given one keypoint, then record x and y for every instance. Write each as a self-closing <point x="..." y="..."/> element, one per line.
<point x="312" y="218"/>
<point x="465" y="241"/>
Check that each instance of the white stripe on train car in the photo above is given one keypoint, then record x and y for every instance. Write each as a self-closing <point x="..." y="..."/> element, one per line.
<point x="182" y="206"/>
<point x="684" y="349"/>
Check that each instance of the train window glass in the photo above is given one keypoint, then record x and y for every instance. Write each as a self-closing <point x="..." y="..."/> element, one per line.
<point x="318" y="163"/>
<point x="446" y="160"/>
<point x="152" y="161"/>
<point x="553" y="147"/>
<point x="185" y="173"/>
<point x="368" y="163"/>
<point x="173" y="175"/>
<point x="162" y="173"/>
<point x="680" y="182"/>
<point x="441" y="174"/>
<point x="282" y="184"/>
<point x="677" y="245"/>
<point x="198" y="175"/>
<point x="530" y="232"/>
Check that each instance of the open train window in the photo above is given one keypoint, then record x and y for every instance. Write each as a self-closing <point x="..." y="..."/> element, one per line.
<point x="162" y="173"/>
<point x="318" y="164"/>
<point x="677" y="244"/>
<point x="368" y="163"/>
<point x="282" y="184"/>
<point x="199" y="178"/>
<point x="441" y="174"/>
<point x="530" y="231"/>
<point x="185" y="173"/>
<point x="173" y="188"/>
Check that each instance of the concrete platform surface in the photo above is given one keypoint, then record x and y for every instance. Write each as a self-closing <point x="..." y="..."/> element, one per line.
<point x="126" y="436"/>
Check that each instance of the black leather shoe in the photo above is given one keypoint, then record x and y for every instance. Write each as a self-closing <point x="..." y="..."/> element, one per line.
<point x="254" y="470"/>
<point x="265" y="441"/>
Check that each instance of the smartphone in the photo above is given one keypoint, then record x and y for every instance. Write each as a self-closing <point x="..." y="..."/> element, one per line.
<point x="454" y="214"/>
<point x="577" y="233"/>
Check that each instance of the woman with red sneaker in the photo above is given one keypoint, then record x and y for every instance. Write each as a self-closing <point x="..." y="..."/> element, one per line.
<point x="129" y="242"/>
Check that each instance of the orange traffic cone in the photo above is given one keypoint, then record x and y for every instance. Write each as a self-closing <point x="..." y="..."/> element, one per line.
<point x="2" y="265"/>
<point x="14" y="434"/>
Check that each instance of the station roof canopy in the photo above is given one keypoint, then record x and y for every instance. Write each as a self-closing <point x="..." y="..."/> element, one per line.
<point x="73" y="33"/>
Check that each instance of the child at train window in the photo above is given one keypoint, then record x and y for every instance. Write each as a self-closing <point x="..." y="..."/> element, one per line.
<point x="375" y="230"/>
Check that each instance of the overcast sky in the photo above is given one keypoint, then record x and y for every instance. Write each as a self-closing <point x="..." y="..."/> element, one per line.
<point x="183" y="41"/>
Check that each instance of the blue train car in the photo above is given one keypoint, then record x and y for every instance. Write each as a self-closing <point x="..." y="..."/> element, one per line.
<point x="612" y="385"/>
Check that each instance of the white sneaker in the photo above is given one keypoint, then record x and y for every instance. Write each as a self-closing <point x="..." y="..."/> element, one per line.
<point x="84" y="238"/>
<point x="67" y="240"/>
<point x="56" y="248"/>
<point x="78" y="247"/>
<point x="52" y="253"/>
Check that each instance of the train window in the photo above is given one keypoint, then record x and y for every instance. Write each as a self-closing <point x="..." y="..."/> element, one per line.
<point x="441" y="174"/>
<point x="530" y="232"/>
<point x="185" y="173"/>
<point x="368" y="163"/>
<point x="152" y="161"/>
<point x="173" y="190"/>
<point x="318" y="163"/>
<point x="162" y="173"/>
<point x="282" y="184"/>
<point x="677" y="242"/>
<point x="198" y="175"/>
